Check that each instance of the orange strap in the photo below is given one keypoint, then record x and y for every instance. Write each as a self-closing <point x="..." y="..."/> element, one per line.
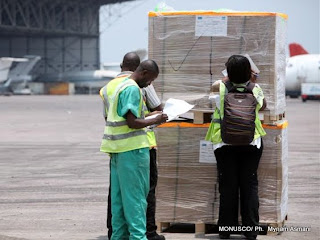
<point x="213" y="13"/>
<point x="281" y="125"/>
<point x="183" y="125"/>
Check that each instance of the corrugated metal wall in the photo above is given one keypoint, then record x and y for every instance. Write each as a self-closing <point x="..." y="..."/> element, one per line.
<point x="64" y="33"/>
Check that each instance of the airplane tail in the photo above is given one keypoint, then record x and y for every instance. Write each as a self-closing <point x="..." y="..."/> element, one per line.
<point x="24" y="68"/>
<point x="4" y="69"/>
<point x="296" y="49"/>
<point x="5" y="65"/>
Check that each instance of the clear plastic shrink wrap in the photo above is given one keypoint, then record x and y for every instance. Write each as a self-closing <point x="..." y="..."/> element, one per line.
<point x="191" y="49"/>
<point x="273" y="174"/>
<point x="187" y="190"/>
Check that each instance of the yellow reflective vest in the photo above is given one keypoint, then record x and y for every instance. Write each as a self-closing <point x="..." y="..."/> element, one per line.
<point x="214" y="131"/>
<point x="118" y="136"/>
<point x="107" y="91"/>
<point x="150" y="133"/>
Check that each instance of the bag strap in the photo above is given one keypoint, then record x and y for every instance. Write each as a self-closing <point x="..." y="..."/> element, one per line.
<point x="250" y="86"/>
<point x="229" y="85"/>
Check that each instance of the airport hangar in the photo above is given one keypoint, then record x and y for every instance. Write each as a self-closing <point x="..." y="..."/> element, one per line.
<point x="65" y="33"/>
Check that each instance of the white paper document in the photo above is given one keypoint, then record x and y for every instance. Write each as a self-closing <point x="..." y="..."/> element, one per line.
<point x="206" y="153"/>
<point x="175" y="107"/>
<point x="208" y="26"/>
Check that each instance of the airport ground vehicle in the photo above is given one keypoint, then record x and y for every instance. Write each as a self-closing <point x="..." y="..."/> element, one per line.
<point x="310" y="91"/>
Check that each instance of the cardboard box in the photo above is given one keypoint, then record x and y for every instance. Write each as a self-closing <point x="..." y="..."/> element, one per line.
<point x="191" y="49"/>
<point x="187" y="189"/>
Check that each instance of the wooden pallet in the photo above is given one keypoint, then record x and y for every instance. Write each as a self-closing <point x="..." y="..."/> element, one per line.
<point x="161" y="226"/>
<point x="201" y="229"/>
<point x="271" y="119"/>
<point x="275" y="225"/>
<point x="201" y="116"/>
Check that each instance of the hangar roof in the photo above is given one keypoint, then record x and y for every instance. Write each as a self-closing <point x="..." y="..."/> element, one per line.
<point x="51" y="17"/>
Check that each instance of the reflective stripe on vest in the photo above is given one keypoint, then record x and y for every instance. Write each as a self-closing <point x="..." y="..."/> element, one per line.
<point x="116" y="124"/>
<point x="104" y="93"/>
<point x="124" y="135"/>
<point x="118" y="136"/>
<point x="106" y="100"/>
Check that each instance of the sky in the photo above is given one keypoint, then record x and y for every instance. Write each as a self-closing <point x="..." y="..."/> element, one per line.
<point x="127" y="28"/>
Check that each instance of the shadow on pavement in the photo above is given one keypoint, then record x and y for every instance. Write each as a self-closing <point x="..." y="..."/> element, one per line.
<point x="99" y="238"/>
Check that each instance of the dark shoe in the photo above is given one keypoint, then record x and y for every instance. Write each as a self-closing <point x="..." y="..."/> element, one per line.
<point x="155" y="236"/>
<point x="224" y="235"/>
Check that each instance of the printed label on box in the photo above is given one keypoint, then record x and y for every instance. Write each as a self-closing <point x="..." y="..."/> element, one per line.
<point x="209" y="26"/>
<point x="206" y="154"/>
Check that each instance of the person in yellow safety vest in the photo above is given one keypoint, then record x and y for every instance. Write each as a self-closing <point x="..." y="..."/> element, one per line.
<point x="153" y="105"/>
<point x="237" y="164"/>
<point x="125" y="139"/>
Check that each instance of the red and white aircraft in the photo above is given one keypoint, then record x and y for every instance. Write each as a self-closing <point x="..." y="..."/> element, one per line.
<point x="302" y="68"/>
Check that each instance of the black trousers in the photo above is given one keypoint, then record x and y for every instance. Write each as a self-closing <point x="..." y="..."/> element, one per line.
<point x="151" y="199"/>
<point x="237" y="169"/>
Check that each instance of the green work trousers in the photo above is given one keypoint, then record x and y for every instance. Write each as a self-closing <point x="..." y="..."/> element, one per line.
<point x="129" y="190"/>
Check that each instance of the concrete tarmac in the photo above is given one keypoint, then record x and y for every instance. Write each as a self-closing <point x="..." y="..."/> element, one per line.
<point x="54" y="180"/>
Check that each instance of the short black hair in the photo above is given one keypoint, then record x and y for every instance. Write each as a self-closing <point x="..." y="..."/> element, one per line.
<point x="238" y="68"/>
<point x="149" y="65"/>
<point x="130" y="61"/>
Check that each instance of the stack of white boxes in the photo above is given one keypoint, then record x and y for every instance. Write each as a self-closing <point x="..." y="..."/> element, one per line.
<point x="191" y="49"/>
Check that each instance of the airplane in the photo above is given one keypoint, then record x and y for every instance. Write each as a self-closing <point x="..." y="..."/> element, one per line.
<point x="89" y="81"/>
<point x="84" y="81"/>
<point x="13" y="80"/>
<point x="302" y="68"/>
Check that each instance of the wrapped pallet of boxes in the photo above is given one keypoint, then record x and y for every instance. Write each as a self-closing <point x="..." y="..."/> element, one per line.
<point x="187" y="190"/>
<point x="191" y="49"/>
<point x="273" y="175"/>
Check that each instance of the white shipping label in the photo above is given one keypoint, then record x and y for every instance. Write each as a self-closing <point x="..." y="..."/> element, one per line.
<point x="206" y="152"/>
<point x="209" y="26"/>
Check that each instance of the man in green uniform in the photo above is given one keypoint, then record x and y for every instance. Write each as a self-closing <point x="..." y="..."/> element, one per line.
<point x="126" y="140"/>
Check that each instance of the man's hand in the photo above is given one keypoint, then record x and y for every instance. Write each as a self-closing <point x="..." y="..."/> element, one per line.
<point x="161" y="118"/>
<point x="137" y="123"/>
